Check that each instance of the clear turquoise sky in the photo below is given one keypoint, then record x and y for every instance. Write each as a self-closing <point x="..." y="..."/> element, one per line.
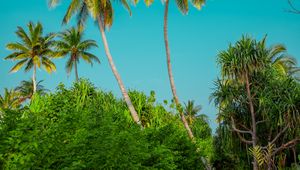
<point x="137" y="44"/>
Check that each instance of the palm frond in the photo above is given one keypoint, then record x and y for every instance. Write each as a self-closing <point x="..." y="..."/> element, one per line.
<point x="72" y="9"/>
<point x="29" y="65"/>
<point x="18" y="66"/>
<point x="53" y="3"/>
<point x="17" y="46"/>
<point x="69" y="65"/>
<point x="23" y="36"/>
<point x="198" y="3"/>
<point x="183" y="5"/>
<point x="48" y="65"/>
<point x="90" y="57"/>
<point x="37" y="61"/>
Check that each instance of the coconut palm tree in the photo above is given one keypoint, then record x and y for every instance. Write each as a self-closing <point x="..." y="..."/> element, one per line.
<point x="9" y="100"/>
<point x="102" y="12"/>
<point x="72" y="44"/>
<point x="25" y="89"/>
<point x="183" y="6"/>
<point x="32" y="51"/>
<point x="191" y="111"/>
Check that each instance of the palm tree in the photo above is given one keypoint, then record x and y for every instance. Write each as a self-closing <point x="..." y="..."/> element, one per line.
<point x="191" y="111"/>
<point x="102" y="12"/>
<point x="25" y="89"/>
<point x="33" y="50"/>
<point x="73" y="45"/>
<point x="183" y="7"/>
<point x="10" y="100"/>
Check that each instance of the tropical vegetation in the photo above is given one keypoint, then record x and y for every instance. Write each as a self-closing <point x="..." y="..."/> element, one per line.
<point x="257" y="96"/>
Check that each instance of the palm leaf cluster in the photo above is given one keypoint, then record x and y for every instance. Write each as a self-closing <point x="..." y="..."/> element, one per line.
<point x="82" y="9"/>
<point x="71" y="44"/>
<point x="9" y="100"/>
<point x="33" y="50"/>
<point x="191" y="111"/>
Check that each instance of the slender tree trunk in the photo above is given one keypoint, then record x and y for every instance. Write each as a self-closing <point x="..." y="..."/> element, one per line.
<point x="34" y="79"/>
<point x="75" y="69"/>
<point x="254" y="136"/>
<point x="294" y="154"/>
<point x="173" y="88"/>
<point x="133" y="112"/>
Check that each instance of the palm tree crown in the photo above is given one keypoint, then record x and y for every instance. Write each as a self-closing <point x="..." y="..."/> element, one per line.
<point x="25" y="89"/>
<point x="73" y="45"/>
<point x="33" y="50"/>
<point x="94" y="8"/>
<point x="10" y="100"/>
<point x="191" y="110"/>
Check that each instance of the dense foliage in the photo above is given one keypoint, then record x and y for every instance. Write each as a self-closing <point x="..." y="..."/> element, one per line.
<point x="84" y="128"/>
<point x="258" y="101"/>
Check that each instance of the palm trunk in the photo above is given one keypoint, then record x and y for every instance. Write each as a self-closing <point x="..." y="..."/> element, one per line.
<point x="132" y="110"/>
<point x="75" y="69"/>
<point x="254" y="136"/>
<point x="34" y="79"/>
<point x="173" y="88"/>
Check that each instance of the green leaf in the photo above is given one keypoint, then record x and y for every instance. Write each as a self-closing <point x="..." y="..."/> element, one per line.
<point x="18" y="66"/>
<point x="37" y="61"/>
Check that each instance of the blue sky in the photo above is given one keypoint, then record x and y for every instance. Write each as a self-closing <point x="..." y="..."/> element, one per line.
<point x="137" y="44"/>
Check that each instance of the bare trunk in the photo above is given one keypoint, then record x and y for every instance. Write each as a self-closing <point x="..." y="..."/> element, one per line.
<point x="34" y="79"/>
<point x="75" y="69"/>
<point x="133" y="112"/>
<point x="254" y="137"/>
<point x="294" y="154"/>
<point x="183" y="119"/>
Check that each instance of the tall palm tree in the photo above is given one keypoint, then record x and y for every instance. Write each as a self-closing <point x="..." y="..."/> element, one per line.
<point x="32" y="51"/>
<point x="25" y="89"/>
<point x="102" y="12"/>
<point x="72" y="44"/>
<point x="191" y="111"/>
<point x="183" y="7"/>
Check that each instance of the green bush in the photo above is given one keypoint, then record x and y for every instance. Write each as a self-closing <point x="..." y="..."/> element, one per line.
<point x="84" y="128"/>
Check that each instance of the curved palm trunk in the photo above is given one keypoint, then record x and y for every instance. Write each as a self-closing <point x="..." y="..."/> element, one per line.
<point x="75" y="69"/>
<point x="183" y="119"/>
<point x="254" y="135"/>
<point x="133" y="112"/>
<point x="34" y="79"/>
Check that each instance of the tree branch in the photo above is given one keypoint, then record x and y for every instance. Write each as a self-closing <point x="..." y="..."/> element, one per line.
<point x="279" y="134"/>
<point x="244" y="140"/>
<point x="244" y="126"/>
<point x="238" y="130"/>
<point x="287" y="145"/>
<point x="261" y="121"/>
